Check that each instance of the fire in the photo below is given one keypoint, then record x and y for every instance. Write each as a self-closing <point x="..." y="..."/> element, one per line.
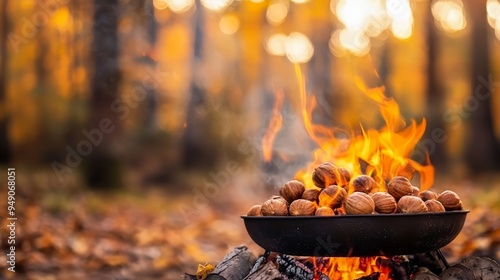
<point x="380" y="153"/>
<point x="274" y="126"/>
<point x="355" y="268"/>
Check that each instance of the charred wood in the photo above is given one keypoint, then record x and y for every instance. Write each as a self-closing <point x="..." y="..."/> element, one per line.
<point x="265" y="272"/>
<point x="261" y="260"/>
<point x="188" y="276"/>
<point x="430" y="260"/>
<point x="424" y="273"/>
<point x="373" y="276"/>
<point x="235" y="265"/>
<point x="294" y="269"/>
<point x="400" y="268"/>
<point x="473" y="268"/>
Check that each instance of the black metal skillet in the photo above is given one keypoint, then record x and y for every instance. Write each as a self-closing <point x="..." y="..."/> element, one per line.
<point x="356" y="235"/>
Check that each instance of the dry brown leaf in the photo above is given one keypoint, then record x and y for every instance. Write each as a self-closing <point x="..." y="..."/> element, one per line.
<point x="116" y="259"/>
<point x="204" y="270"/>
<point x="162" y="262"/>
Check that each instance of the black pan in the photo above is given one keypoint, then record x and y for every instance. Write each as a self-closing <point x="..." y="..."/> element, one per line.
<point x="356" y="235"/>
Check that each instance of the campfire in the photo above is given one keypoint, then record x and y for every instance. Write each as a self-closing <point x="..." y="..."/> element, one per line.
<point x="240" y="263"/>
<point x="353" y="212"/>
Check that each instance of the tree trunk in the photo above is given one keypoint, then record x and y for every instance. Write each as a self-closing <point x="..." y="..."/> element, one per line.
<point x="151" y="24"/>
<point x="151" y="104"/>
<point x="384" y="68"/>
<point x="483" y="151"/>
<point x="195" y="150"/>
<point x="5" y="152"/>
<point x="320" y="76"/>
<point x="102" y="169"/>
<point x="435" y="93"/>
<point x="42" y="94"/>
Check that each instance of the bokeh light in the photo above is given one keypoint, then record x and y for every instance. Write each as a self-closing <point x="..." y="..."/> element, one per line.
<point x="277" y="12"/>
<point x="398" y="9"/>
<point x="180" y="6"/>
<point x="497" y="30"/>
<point x="402" y="29"/>
<point x="365" y="19"/>
<point x="354" y="41"/>
<point x="296" y="47"/>
<point x="380" y="23"/>
<point x="355" y="14"/>
<point x="449" y="15"/>
<point x="160" y="4"/>
<point x="335" y="46"/>
<point x="229" y="24"/>
<point x="216" y="5"/>
<point x="402" y="18"/>
<point x="493" y="9"/>
<point x="275" y="45"/>
<point x="299" y="48"/>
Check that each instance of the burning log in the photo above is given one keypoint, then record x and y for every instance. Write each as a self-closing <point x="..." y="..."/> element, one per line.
<point x="400" y="266"/>
<point x="235" y="265"/>
<point x="373" y="276"/>
<point x="293" y="269"/>
<point x="473" y="268"/>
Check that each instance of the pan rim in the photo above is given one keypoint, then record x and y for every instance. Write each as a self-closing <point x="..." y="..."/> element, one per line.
<point x="359" y="216"/>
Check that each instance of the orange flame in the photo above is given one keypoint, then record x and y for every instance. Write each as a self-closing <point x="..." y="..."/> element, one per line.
<point x="274" y="126"/>
<point x="354" y="268"/>
<point x="385" y="153"/>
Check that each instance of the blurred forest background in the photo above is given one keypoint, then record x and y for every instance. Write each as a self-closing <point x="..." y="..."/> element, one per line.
<point x="155" y="98"/>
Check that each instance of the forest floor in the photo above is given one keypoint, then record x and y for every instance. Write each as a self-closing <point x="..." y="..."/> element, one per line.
<point x="74" y="233"/>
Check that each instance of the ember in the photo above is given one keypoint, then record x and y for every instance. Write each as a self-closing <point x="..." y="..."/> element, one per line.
<point x="359" y="268"/>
